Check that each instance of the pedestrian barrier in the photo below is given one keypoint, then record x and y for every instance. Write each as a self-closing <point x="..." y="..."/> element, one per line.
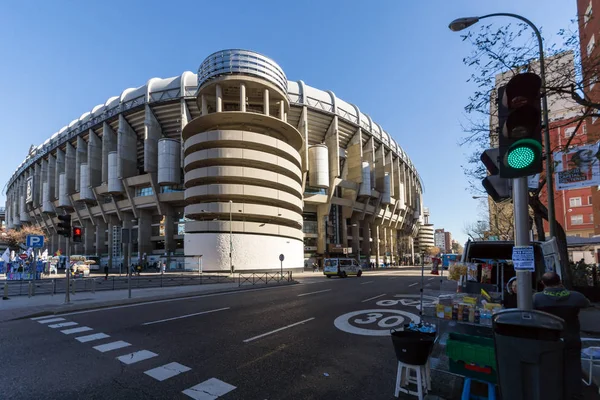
<point x="264" y="278"/>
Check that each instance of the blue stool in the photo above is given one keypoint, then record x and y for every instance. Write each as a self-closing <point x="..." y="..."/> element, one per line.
<point x="466" y="394"/>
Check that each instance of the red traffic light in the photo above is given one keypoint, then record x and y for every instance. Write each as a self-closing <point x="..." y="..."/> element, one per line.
<point x="76" y="231"/>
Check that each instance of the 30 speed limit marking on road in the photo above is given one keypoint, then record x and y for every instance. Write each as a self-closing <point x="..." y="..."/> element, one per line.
<point x="373" y="322"/>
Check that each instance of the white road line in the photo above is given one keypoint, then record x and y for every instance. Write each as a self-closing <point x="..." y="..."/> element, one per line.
<point x="430" y="279"/>
<point x="167" y="371"/>
<point x="77" y="330"/>
<point x="277" y="330"/>
<point x="209" y="390"/>
<point x="366" y="283"/>
<point x="186" y="316"/>
<point x="47" y="321"/>
<point x="89" y="338"/>
<point x="111" y="346"/>
<point x="413" y="284"/>
<point x="373" y="298"/>
<point x="62" y="324"/>
<point x="42" y="317"/>
<point x="136" y="356"/>
<point x="170" y="300"/>
<point x="320" y="291"/>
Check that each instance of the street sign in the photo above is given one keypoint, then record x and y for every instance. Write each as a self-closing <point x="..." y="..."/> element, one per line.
<point x="35" y="241"/>
<point x="523" y="258"/>
<point x="23" y="256"/>
<point x="281" y="257"/>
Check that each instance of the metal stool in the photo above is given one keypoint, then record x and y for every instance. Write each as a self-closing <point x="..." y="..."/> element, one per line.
<point x="422" y="379"/>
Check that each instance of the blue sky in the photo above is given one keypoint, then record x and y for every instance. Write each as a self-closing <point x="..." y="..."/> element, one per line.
<point x="396" y="60"/>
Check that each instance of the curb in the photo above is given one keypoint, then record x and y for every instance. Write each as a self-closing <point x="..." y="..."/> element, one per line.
<point x="57" y="310"/>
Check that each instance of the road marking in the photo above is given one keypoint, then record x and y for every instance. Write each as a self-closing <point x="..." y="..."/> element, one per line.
<point x="89" y="338"/>
<point x="111" y="346"/>
<point x="42" y="317"/>
<point x="47" y="321"/>
<point x="62" y="324"/>
<point x="375" y="322"/>
<point x="373" y="298"/>
<point x="167" y="371"/>
<point x="170" y="300"/>
<point x="77" y="330"/>
<point x="185" y="316"/>
<point x="136" y="356"/>
<point x="278" y="330"/>
<point x="431" y="279"/>
<point x="209" y="390"/>
<point x="365" y="283"/>
<point x="320" y="291"/>
<point x="413" y="284"/>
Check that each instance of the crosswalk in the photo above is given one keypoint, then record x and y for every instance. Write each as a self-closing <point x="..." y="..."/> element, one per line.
<point x="209" y="389"/>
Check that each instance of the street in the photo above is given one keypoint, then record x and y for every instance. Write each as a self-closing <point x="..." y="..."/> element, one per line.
<point x="320" y="339"/>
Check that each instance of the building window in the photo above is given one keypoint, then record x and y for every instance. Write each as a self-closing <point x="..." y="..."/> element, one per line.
<point x="588" y="14"/>
<point x="576" y="219"/>
<point x="594" y="119"/>
<point x="143" y="191"/>
<point x="574" y="201"/>
<point x="569" y="131"/>
<point x="590" y="200"/>
<point x="593" y="81"/>
<point x="591" y="218"/>
<point x="590" y="46"/>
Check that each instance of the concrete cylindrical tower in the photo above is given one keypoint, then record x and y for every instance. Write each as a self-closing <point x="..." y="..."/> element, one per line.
<point x="365" y="186"/>
<point x="169" y="162"/>
<point x="318" y="166"/>
<point x="114" y="183"/>
<point x="242" y="168"/>
<point x="85" y="191"/>
<point x="46" y="203"/>
<point x="386" y="197"/>
<point x="63" y="197"/>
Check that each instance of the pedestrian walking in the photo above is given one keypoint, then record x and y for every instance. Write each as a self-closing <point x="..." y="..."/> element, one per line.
<point x="557" y="300"/>
<point x="106" y="272"/>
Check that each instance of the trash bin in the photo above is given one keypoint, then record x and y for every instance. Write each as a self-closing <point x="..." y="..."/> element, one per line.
<point x="412" y="347"/>
<point x="529" y="354"/>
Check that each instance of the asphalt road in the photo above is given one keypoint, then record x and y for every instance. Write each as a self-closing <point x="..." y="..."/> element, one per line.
<point x="292" y="342"/>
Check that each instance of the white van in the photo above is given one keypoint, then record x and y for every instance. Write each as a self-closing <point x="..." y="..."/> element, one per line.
<point x="342" y="267"/>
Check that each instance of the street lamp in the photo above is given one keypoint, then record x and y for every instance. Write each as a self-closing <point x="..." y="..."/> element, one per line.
<point x="463" y="23"/>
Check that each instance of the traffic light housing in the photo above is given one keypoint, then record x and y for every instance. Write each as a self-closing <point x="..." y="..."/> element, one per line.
<point x="64" y="226"/>
<point x="77" y="232"/>
<point x="497" y="188"/>
<point x="519" y="126"/>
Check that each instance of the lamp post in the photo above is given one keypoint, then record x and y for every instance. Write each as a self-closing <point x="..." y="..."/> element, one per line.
<point x="463" y="23"/>
<point x="230" y="237"/>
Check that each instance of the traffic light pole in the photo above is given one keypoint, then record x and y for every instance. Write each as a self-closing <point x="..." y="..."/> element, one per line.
<point x="521" y="215"/>
<point x="68" y="270"/>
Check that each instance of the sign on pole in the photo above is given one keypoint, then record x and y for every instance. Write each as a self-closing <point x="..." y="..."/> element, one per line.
<point x="523" y="258"/>
<point x="35" y="241"/>
<point x="281" y="257"/>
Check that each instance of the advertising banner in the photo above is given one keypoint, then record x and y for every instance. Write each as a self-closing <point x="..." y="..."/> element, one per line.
<point x="578" y="167"/>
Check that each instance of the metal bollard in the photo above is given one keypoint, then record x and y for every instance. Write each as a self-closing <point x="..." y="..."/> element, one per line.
<point x="5" y="297"/>
<point x="53" y="287"/>
<point x="73" y="283"/>
<point x="93" y="285"/>
<point x="29" y="289"/>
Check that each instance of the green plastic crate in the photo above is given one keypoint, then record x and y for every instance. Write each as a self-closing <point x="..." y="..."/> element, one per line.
<point x="471" y="350"/>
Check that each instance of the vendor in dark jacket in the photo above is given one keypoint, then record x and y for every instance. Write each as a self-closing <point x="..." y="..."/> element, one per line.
<point x="563" y="303"/>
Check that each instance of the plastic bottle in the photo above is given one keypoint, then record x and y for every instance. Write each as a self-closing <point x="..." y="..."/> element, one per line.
<point x="477" y="316"/>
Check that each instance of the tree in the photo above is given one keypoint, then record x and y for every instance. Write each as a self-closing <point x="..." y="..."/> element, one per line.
<point x="14" y="238"/>
<point x="457" y="248"/>
<point x="432" y="251"/>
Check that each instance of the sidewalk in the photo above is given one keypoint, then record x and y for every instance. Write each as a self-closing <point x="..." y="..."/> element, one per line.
<point x="24" y="307"/>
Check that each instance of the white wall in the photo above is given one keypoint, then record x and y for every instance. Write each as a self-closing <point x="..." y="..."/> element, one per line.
<point x="250" y="252"/>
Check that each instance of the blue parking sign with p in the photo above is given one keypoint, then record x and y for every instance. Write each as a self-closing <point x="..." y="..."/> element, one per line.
<point x="34" y="241"/>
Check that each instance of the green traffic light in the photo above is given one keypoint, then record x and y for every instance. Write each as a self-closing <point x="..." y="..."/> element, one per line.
<point x="524" y="153"/>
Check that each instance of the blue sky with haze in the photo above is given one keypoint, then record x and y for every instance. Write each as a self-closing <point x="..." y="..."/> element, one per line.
<point x="396" y="60"/>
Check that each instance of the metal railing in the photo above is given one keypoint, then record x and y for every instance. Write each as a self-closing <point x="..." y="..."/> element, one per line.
<point x="263" y="278"/>
<point x="92" y="284"/>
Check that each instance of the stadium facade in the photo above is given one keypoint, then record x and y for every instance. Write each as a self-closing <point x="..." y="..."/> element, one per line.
<point x="229" y="167"/>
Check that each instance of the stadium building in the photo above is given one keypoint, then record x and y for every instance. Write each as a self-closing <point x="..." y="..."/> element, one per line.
<point x="229" y="167"/>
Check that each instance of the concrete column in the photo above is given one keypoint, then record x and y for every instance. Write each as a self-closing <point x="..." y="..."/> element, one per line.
<point x="89" y="234"/>
<point x="111" y="263"/>
<point x="51" y="176"/>
<point x="144" y="232"/>
<point x="242" y="97"/>
<point x="322" y="213"/>
<point x="70" y="167"/>
<point x="96" y="163"/>
<point x="127" y="253"/>
<point x="392" y="242"/>
<point x="344" y="235"/>
<point x="80" y="158"/>
<point x="375" y="248"/>
<point x="59" y="168"/>
<point x="100" y="237"/>
<point x="355" y="235"/>
<point x="366" y="242"/>
<point x="152" y="133"/>
<point x="282" y="110"/>
<point x="385" y="244"/>
<point x="266" y="102"/>
<point x="169" y="232"/>
<point x="109" y="144"/>
<point x="127" y="149"/>
<point x="204" y="105"/>
<point x="37" y="186"/>
<point x="219" y="95"/>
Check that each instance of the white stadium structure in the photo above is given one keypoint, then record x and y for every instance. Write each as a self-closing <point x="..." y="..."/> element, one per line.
<point x="234" y="164"/>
